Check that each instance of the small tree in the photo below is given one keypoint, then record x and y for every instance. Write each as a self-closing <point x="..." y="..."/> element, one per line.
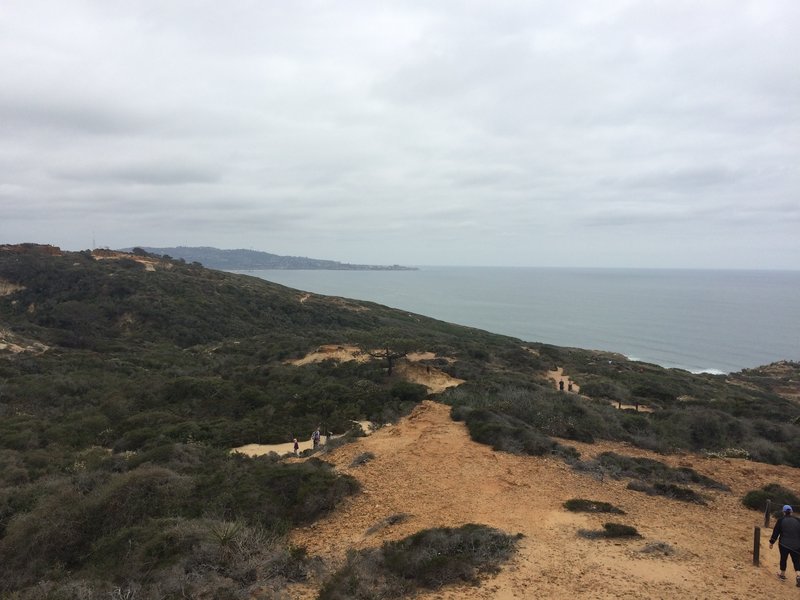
<point x="388" y="344"/>
<point x="389" y="355"/>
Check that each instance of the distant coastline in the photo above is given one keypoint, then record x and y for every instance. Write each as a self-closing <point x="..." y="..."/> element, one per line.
<point x="244" y="260"/>
<point x="697" y="320"/>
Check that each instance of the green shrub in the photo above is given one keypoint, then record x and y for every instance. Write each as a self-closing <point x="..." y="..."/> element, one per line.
<point x="259" y="491"/>
<point x="362" y="459"/>
<point x="435" y="557"/>
<point x="662" y="548"/>
<point x="594" y="506"/>
<point x="541" y="408"/>
<point x="405" y="391"/>
<point x="53" y="536"/>
<point x="606" y="389"/>
<point x="388" y="522"/>
<point x="647" y="469"/>
<point x="428" y="559"/>
<point x="668" y="490"/>
<point x="611" y="530"/>
<point x="509" y="434"/>
<point x="128" y="552"/>
<point x="16" y="500"/>
<point x="144" y="493"/>
<point x="757" y="499"/>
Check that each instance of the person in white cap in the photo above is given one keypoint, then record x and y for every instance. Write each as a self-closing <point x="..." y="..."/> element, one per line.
<point x="787" y="534"/>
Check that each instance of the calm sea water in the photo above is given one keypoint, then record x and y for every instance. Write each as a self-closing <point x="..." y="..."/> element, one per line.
<point x="715" y="321"/>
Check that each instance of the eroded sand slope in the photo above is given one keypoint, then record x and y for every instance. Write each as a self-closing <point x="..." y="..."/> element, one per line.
<point x="428" y="467"/>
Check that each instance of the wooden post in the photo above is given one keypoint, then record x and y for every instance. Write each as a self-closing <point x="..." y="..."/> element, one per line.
<point x="756" y="545"/>
<point x="767" y="513"/>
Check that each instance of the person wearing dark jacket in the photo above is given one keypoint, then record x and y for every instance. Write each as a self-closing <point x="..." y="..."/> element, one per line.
<point x="787" y="534"/>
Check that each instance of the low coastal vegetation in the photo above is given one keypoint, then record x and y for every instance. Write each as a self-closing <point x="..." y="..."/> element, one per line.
<point x="394" y="519"/>
<point x="610" y="530"/>
<point x="657" y="549"/>
<point x="777" y="494"/>
<point x="591" y="506"/>
<point x="125" y="380"/>
<point x="508" y="433"/>
<point x="668" y="490"/>
<point x="362" y="459"/>
<point x="701" y="413"/>
<point x="652" y="477"/>
<point x="429" y="559"/>
<point x="137" y="519"/>
<point x="647" y="469"/>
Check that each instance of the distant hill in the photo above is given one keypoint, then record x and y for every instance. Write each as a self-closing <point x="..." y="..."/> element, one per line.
<point x="231" y="260"/>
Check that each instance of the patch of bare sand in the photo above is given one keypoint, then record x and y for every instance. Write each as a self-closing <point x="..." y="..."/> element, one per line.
<point x="281" y="449"/>
<point x="342" y="353"/>
<point x="7" y="288"/>
<point x="427" y="467"/>
<point x="149" y="262"/>
<point x="562" y="381"/>
<point x="407" y="368"/>
<point x="15" y="344"/>
<point x="434" y="379"/>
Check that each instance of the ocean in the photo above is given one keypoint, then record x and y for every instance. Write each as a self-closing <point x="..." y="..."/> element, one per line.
<point x="700" y="320"/>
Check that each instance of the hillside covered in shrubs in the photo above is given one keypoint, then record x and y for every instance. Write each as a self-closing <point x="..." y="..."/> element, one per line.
<point x="126" y="379"/>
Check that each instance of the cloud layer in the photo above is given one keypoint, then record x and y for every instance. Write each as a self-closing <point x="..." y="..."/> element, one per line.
<point x="613" y="133"/>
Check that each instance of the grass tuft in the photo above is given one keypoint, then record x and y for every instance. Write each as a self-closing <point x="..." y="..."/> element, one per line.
<point x="611" y="530"/>
<point x="362" y="459"/>
<point x="592" y="506"/>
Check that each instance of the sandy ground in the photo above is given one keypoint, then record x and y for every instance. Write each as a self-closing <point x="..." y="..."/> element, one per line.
<point x="407" y="368"/>
<point x="428" y="467"/>
<point x="559" y="377"/>
<point x="10" y="342"/>
<point x="260" y="449"/>
<point x="435" y="380"/>
<point x="331" y="351"/>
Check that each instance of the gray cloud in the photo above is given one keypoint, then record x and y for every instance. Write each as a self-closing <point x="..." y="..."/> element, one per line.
<point x="143" y="174"/>
<point x="685" y="180"/>
<point x="582" y="133"/>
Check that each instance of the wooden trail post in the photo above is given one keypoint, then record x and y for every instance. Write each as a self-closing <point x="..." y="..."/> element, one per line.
<point x="767" y="513"/>
<point x="756" y="545"/>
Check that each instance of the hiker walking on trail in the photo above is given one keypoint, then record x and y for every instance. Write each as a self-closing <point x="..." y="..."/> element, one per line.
<point x="315" y="438"/>
<point x="787" y="534"/>
<point x="296" y="447"/>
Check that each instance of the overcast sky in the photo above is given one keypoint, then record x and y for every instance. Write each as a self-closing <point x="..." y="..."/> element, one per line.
<point x="536" y="133"/>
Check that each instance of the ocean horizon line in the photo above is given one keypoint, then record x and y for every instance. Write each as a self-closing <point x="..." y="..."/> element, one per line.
<point x="549" y="268"/>
<point x="596" y="268"/>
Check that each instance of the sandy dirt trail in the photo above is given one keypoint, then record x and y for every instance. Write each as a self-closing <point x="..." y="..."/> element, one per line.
<point x="426" y="466"/>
